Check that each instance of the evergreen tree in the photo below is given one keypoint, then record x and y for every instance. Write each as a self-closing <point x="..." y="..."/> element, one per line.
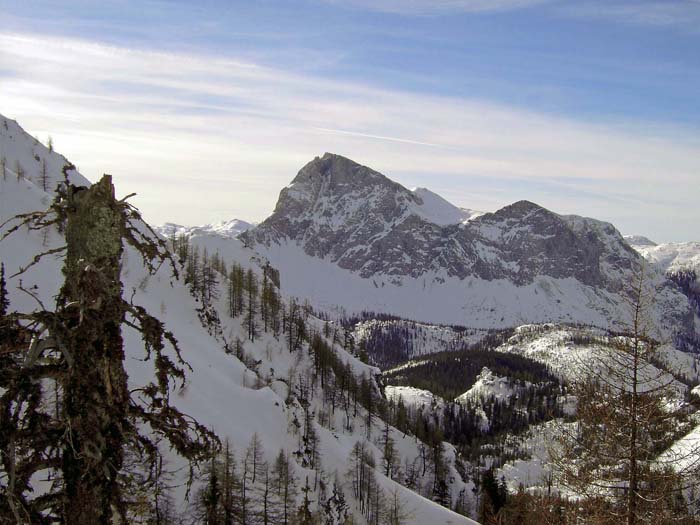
<point x="389" y="453"/>
<point x="304" y="513"/>
<point x="212" y="495"/>
<point x="284" y="487"/>
<point x="236" y="282"/>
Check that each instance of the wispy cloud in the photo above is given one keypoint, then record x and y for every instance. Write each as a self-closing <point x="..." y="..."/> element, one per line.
<point x="666" y="13"/>
<point x="661" y="13"/>
<point x="432" y="7"/>
<point x="203" y="138"/>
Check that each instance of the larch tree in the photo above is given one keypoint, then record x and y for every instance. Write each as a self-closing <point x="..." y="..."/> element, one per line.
<point x="629" y="411"/>
<point x="76" y="352"/>
<point x="4" y="301"/>
<point x="284" y="486"/>
<point x="44" y="176"/>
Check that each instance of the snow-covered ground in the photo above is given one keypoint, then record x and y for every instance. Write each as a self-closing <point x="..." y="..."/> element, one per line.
<point x="414" y="397"/>
<point x="439" y="211"/>
<point x="556" y="346"/>
<point x="220" y="391"/>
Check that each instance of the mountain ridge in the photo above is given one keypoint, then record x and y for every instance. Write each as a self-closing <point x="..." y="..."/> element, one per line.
<point x="348" y="236"/>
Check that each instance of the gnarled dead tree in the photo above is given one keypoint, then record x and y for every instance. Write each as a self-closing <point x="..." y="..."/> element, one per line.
<point x="66" y="412"/>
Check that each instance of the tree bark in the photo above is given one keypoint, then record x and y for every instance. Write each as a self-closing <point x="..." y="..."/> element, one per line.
<point x="95" y="390"/>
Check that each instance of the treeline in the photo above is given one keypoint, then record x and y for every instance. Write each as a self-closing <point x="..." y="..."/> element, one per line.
<point x="687" y="282"/>
<point x="450" y="374"/>
<point x="478" y="426"/>
<point x="391" y="343"/>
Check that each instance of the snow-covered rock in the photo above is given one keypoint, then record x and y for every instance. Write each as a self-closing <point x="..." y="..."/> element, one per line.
<point x="489" y="386"/>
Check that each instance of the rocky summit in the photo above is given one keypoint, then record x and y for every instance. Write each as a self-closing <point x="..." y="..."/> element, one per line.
<point x="359" y="219"/>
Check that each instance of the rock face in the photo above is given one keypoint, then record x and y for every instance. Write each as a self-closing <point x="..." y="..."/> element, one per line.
<point x="355" y="217"/>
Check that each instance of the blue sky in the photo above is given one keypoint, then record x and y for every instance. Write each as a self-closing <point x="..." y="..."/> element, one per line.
<point x="588" y="107"/>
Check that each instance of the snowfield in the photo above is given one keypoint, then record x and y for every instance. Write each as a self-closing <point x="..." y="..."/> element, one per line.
<point x="220" y="392"/>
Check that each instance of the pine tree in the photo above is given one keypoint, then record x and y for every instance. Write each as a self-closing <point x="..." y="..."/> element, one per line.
<point x="389" y="452"/>
<point x="192" y="271"/>
<point x="236" y="281"/>
<point x="335" y="508"/>
<point x="212" y="495"/>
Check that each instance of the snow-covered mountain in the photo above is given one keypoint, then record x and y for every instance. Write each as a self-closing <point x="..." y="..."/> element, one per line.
<point x="347" y="237"/>
<point x="668" y="257"/>
<point x="228" y="229"/>
<point x="238" y="394"/>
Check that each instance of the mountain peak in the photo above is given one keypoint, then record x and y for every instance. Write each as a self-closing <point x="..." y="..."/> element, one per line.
<point x="521" y="208"/>
<point x="338" y="173"/>
<point x="355" y="217"/>
<point x="639" y="240"/>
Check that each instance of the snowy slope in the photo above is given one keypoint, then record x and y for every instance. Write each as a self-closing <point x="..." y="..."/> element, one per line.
<point x="433" y="208"/>
<point x="391" y="342"/>
<point x="414" y="397"/>
<point x="489" y="386"/>
<point x="671" y="257"/>
<point x="221" y="391"/>
<point x="572" y="353"/>
<point x="438" y="298"/>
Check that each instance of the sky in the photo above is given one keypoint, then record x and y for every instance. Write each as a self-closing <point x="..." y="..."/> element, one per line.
<point x="208" y="109"/>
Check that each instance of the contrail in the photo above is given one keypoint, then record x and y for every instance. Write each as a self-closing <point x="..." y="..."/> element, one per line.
<point x="378" y="137"/>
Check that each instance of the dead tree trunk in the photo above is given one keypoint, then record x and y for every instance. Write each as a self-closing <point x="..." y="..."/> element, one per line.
<point x="95" y="389"/>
